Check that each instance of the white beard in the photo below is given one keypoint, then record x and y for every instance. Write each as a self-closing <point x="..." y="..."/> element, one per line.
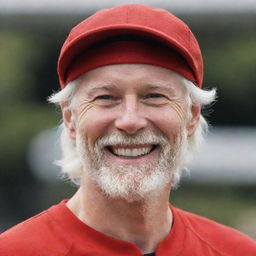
<point x="132" y="183"/>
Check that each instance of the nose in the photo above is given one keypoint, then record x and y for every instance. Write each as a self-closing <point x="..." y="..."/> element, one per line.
<point x="131" y="120"/>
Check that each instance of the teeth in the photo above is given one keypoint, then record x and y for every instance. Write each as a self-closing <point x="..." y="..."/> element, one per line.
<point x="131" y="152"/>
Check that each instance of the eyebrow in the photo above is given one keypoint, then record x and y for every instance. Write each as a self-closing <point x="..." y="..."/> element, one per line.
<point x="94" y="87"/>
<point x="160" y="85"/>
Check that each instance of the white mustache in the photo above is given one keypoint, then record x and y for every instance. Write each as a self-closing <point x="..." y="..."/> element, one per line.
<point x="142" y="138"/>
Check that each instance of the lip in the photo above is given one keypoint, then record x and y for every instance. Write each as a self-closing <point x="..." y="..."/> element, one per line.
<point x="145" y="159"/>
<point x="132" y="146"/>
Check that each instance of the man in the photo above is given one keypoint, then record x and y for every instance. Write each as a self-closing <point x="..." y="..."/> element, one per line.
<point x="131" y="79"/>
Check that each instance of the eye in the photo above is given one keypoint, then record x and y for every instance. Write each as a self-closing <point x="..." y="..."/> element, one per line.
<point x="154" y="95"/>
<point x="106" y="100"/>
<point x="155" y="99"/>
<point x="105" y="97"/>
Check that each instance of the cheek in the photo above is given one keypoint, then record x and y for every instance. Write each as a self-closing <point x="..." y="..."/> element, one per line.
<point x="169" y="120"/>
<point x="93" y="124"/>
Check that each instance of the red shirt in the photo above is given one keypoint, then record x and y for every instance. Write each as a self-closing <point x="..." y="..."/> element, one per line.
<point x="58" y="232"/>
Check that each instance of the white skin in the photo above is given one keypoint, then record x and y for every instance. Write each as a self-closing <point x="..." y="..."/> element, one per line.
<point x="128" y="98"/>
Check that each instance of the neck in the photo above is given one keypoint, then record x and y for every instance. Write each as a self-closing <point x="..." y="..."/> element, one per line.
<point x="144" y="223"/>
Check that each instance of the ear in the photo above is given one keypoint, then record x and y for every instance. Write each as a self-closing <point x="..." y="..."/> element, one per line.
<point x="69" y="121"/>
<point x="194" y="119"/>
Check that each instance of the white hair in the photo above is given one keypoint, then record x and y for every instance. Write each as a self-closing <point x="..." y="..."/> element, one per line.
<point x="70" y="163"/>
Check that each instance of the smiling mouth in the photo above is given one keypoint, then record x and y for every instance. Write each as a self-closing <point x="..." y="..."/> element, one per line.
<point x="131" y="151"/>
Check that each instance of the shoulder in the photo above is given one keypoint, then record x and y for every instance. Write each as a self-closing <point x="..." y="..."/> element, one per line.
<point x="224" y="239"/>
<point x="37" y="236"/>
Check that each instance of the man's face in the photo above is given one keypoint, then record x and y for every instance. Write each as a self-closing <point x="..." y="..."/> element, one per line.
<point x="130" y="123"/>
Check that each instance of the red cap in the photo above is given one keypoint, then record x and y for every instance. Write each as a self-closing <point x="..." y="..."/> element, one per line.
<point x="85" y="47"/>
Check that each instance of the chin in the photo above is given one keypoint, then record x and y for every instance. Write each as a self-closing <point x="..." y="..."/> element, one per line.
<point x="130" y="183"/>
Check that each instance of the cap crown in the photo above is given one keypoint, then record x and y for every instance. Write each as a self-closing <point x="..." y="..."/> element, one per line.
<point x="135" y="19"/>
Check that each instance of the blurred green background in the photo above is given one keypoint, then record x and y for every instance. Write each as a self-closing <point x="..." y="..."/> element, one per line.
<point x="30" y="45"/>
